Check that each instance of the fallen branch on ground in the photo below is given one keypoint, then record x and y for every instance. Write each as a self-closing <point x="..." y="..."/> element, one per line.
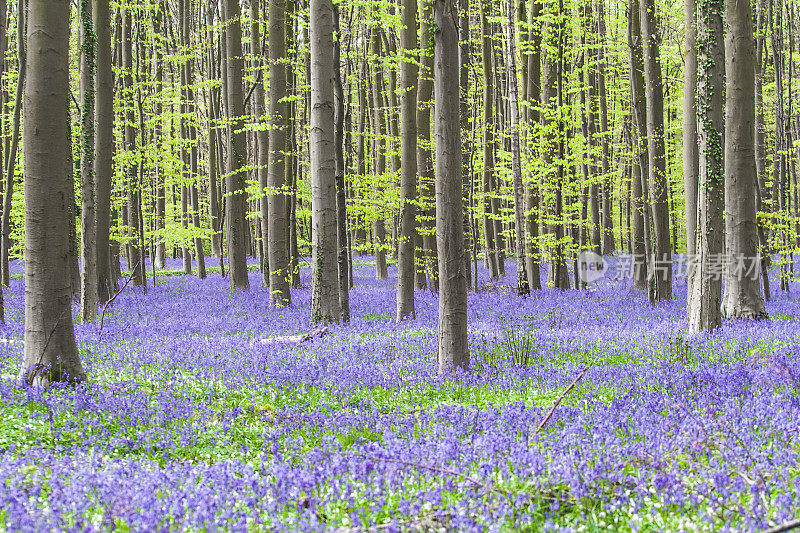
<point x="560" y="398"/>
<point x="294" y="339"/>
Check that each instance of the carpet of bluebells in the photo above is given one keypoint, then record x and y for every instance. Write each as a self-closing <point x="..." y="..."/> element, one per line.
<point x="198" y="416"/>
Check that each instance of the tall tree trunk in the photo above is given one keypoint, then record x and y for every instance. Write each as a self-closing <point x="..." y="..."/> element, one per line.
<point x="703" y="307"/>
<point x="380" y="147"/>
<point x="660" y="283"/>
<point x="341" y="204"/>
<point x="236" y="200"/>
<point x="453" y="349"/>
<point x="214" y="147"/>
<point x="3" y="49"/>
<point x="609" y="247"/>
<point x="534" y="96"/>
<point x="641" y="211"/>
<point x="761" y="152"/>
<point x="50" y="350"/>
<point x="464" y="114"/>
<point x="190" y="111"/>
<point x="424" y="152"/>
<point x="489" y="214"/>
<point x="325" y="305"/>
<point x="690" y="154"/>
<point x="88" y="227"/>
<point x="13" y="151"/>
<point x="262" y="136"/>
<point x="279" y="112"/>
<point x="159" y="255"/>
<point x="552" y="144"/>
<point x="408" y="162"/>
<point x="742" y="290"/>
<point x="136" y="259"/>
<point x="516" y="162"/>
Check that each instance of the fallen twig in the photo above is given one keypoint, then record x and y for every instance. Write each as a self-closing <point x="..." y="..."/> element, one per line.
<point x="111" y="300"/>
<point x="295" y="339"/>
<point x="560" y="398"/>
<point x="786" y="526"/>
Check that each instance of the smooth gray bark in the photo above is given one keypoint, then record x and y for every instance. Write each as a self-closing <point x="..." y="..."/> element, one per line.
<point x="742" y="289"/>
<point x="325" y="305"/>
<point x="408" y="162"/>
<point x="50" y="350"/>
<point x="236" y="200"/>
<point x="453" y="350"/>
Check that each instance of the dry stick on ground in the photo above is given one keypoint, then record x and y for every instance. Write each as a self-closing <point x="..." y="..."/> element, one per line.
<point x="786" y="526"/>
<point x="560" y="398"/>
<point x="111" y="300"/>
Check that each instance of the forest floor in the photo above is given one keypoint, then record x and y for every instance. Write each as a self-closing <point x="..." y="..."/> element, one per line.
<point x="196" y="417"/>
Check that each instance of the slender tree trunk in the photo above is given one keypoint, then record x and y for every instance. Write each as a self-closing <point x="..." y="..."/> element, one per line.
<point x="516" y="161"/>
<point x="761" y="152"/>
<point x="262" y="136"/>
<point x="660" y="284"/>
<point x="159" y="255"/>
<point x="380" y="146"/>
<point x="464" y="114"/>
<point x="135" y="260"/>
<point x="690" y="154"/>
<point x="489" y="214"/>
<point x="428" y="252"/>
<point x="534" y="97"/>
<point x="609" y="246"/>
<point x="325" y="305"/>
<point x="88" y="227"/>
<point x="706" y="285"/>
<point x="13" y="151"/>
<point x="341" y="205"/>
<point x="408" y="162"/>
<point x="50" y="350"/>
<point x="453" y="349"/>
<point x="552" y="144"/>
<point x="642" y="250"/>
<point x="3" y="98"/>
<point x="236" y="201"/>
<point x="191" y="127"/>
<point x="742" y="289"/>
<point x="279" y="112"/>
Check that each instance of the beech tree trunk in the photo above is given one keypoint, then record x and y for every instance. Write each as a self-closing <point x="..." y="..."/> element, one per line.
<point x="516" y="162"/>
<point x="552" y="146"/>
<point x="380" y="146"/>
<point x="50" y="350"/>
<point x="660" y="281"/>
<point x="761" y="152"/>
<point x="325" y="306"/>
<point x="453" y="349"/>
<point x="280" y="267"/>
<point x="742" y="289"/>
<point x="691" y="160"/>
<point x="13" y="150"/>
<point x="427" y="251"/>
<point x="3" y="49"/>
<point x="531" y="189"/>
<point x="88" y="227"/>
<point x="136" y="258"/>
<point x="341" y="203"/>
<point x="236" y="200"/>
<point x="408" y="162"/>
<point x="703" y="306"/>
<point x="489" y="234"/>
<point x="641" y="212"/>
